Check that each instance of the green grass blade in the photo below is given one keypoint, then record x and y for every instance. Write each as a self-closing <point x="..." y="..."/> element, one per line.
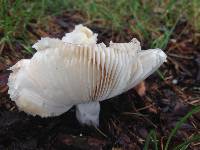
<point x="155" y="141"/>
<point x="151" y="138"/>
<point x="188" y="142"/>
<point x="148" y="139"/>
<point x="178" y="125"/>
<point x="160" y="74"/>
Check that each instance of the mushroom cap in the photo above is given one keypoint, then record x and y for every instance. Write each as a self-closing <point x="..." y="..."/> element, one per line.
<point x="80" y="35"/>
<point x="66" y="72"/>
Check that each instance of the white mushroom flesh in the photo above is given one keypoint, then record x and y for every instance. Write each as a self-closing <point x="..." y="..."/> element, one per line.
<point x="77" y="71"/>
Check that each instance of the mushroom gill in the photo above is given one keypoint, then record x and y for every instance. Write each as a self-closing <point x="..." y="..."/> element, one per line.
<point x="77" y="71"/>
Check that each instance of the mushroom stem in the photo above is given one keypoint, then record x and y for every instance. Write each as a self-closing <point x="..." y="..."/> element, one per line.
<point x="88" y="113"/>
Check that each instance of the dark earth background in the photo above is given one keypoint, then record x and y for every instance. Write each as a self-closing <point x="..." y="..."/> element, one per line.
<point x="125" y="120"/>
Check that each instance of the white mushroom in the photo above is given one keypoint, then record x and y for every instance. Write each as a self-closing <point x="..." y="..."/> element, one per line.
<point x="77" y="71"/>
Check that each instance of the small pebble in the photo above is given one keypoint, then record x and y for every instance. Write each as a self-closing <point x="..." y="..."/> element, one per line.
<point x="174" y="81"/>
<point x="173" y="40"/>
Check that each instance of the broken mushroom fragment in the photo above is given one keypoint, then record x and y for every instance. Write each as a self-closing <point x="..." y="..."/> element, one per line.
<point x="78" y="71"/>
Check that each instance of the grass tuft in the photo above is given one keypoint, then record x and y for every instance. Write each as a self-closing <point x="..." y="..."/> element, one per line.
<point x="152" y="21"/>
<point x="152" y="139"/>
